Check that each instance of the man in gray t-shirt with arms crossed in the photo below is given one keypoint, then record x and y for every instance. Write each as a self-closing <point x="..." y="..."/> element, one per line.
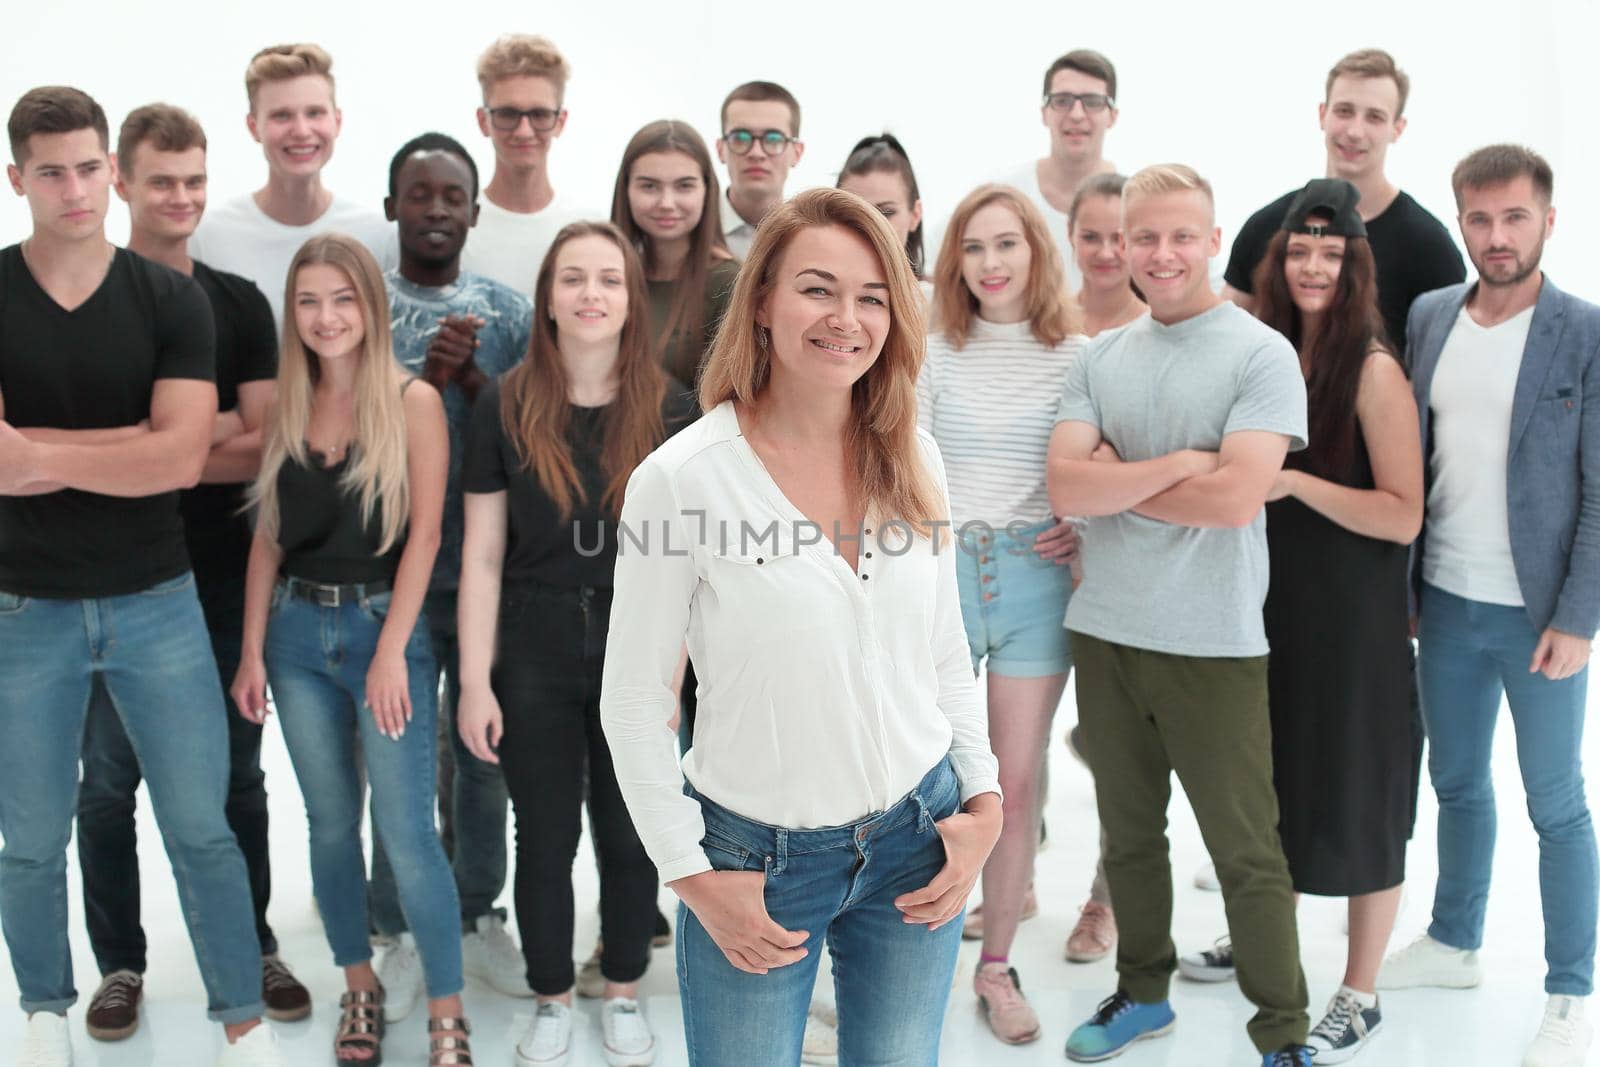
<point x="1170" y="433"/>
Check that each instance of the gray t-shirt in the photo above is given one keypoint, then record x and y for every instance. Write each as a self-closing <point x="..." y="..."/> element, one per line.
<point x="1150" y="390"/>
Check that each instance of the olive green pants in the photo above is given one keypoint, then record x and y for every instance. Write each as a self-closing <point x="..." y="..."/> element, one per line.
<point x="1145" y="715"/>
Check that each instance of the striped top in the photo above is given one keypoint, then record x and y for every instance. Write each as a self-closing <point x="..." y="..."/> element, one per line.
<point x="991" y="407"/>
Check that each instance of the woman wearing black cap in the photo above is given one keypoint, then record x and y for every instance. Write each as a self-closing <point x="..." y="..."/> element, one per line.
<point x="1344" y="512"/>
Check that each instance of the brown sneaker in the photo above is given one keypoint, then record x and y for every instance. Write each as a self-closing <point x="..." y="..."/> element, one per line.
<point x="1094" y="936"/>
<point x="114" y="1008"/>
<point x="1000" y="999"/>
<point x="286" y="999"/>
<point x="972" y="925"/>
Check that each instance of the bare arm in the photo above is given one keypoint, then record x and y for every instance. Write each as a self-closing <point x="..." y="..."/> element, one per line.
<point x="1080" y="486"/>
<point x="169" y="457"/>
<point x="1244" y="300"/>
<point x="237" y="457"/>
<point x="248" y="686"/>
<point x="1233" y="494"/>
<point x="110" y="435"/>
<point x="17" y="477"/>
<point x="483" y="551"/>
<point x="1386" y="412"/>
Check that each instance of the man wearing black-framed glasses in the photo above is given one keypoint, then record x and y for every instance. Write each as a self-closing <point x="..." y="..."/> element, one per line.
<point x="524" y="82"/>
<point x="759" y="143"/>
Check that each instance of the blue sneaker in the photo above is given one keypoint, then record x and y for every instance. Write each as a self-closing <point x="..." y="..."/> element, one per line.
<point x="1116" y="1024"/>
<point x="1289" y="1056"/>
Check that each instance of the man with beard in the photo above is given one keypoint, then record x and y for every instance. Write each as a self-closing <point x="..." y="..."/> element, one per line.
<point x="1506" y="577"/>
<point x="458" y="331"/>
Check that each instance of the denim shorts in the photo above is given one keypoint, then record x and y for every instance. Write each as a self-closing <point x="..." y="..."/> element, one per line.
<point x="1013" y="604"/>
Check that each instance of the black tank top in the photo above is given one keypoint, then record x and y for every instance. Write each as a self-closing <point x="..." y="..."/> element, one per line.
<point x="321" y="531"/>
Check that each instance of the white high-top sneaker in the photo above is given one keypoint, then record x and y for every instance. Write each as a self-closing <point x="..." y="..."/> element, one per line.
<point x="46" y="1042"/>
<point x="400" y="972"/>
<point x="1564" y="1037"/>
<point x="258" y="1048"/>
<point x="490" y="955"/>
<point x="1426" y="962"/>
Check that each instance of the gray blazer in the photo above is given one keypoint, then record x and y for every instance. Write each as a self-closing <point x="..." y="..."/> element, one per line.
<point x="1552" y="459"/>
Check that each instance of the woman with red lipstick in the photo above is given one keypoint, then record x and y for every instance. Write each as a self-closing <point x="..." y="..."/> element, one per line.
<point x="1005" y="332"/>
<point x="551" y="447"/>
<point x="665" y="202"/>
<point x="1343" y="515"/>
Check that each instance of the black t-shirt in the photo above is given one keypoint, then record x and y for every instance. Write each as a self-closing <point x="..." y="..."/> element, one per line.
<point x="91" y="368"/>
<point x="247" y="351"/>
<point x="540" y="547"/>
<point x="1411" y="249"/>
<point x="321" y="528"/>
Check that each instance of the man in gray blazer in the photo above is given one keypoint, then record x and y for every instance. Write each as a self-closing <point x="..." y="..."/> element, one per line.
<point x="1506" y="576"/>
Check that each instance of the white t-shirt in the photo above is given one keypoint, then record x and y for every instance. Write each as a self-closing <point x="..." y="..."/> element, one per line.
<point x="1468" y="547"/>
<point x="237" y="236"/>
<point x="738" y="233"/>
<point x="509" y="246"/>
<point x="1026" y="178"/>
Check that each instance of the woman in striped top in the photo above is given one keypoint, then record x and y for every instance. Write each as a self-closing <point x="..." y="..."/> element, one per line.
<point x="1005" y="331"/>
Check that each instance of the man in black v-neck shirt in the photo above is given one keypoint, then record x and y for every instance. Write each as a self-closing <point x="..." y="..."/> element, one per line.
<point x="107" y="402"/>
<point x="1361" y="115"/>
<point x="161" y="173"/>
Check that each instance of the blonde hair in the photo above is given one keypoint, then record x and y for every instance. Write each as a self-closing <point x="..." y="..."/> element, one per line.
<point x="280" y="62"/>
<point x="526" y="55"/>
<point x="1163" y="178"/>
<point x="1052" y="312"/>
<point x="890" y="470"/>
<point x="377" y="472"/>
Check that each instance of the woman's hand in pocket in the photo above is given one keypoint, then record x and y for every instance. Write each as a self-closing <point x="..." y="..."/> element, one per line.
<point x="969" y="836"/>
<point x="732" y="908"/>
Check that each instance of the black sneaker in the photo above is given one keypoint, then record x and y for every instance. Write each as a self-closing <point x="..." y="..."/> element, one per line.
<point x="1215" y="964"/>
<point x="1344" y="1030"/>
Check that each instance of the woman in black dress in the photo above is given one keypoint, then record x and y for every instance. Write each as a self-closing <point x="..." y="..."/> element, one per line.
<point x="1342" y="515"/>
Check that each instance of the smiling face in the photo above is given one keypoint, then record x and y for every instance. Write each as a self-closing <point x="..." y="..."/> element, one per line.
<point x="327" y="311"/>
<point x="434" y="205"/>
<point x="1504" y="227"/>
<point x="523" y="148"/>
<point x="1097" y="242"/>
<point x="1171" y="239"/>
<point x="589" y="291"/>
<point x="666" y="195"/>
<point x="296" y="124"/>
<point x="755" y="172"/>
<point x="886" y="191"/>
<point x="828" y="311"/>
<point x="995" y="262"/>
<point x="1359" y="122"/>
<point x="1077" y="135"/>
<point x="165" y="191"/>
<point x="1311" y="267"/>
<point x="67" y="181"/>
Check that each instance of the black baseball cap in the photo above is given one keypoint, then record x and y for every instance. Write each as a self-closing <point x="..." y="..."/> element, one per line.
<point x="1334" y="198"/>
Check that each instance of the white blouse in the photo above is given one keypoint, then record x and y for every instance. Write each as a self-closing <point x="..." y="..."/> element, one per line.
<point x="825" y="694"/>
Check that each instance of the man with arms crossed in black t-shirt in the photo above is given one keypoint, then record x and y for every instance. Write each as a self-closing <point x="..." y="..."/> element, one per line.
<point x="107" y="405"/>
<point x="1362" y="114"/>
<point x="161" y="173"/>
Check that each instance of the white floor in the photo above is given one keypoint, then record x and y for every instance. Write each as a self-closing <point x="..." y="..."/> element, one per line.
<point x="1490" y="1025"/>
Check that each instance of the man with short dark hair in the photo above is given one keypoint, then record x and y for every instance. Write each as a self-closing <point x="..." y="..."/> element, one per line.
<point x="161" y="173"/>
<point x="107" y="408"/>
<point x="759" y="142"/>
<point x="1506" y="581"/>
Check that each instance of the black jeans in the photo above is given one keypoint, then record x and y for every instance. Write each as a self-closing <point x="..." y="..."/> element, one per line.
<point x="547" y="679"/>
<point x="107" y="841"/>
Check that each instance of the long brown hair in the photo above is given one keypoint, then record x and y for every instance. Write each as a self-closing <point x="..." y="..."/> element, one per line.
<point x="686" y="316"/>
<point x="1052" y="311"/>
<point x="1351" y="328"/>
<point x="881" y="440"/>
<point x="533" y="401"/>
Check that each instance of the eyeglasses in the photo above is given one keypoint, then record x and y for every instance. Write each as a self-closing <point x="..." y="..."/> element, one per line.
<point x="541" y="119"/>
<point x="1092" y="102"/>
<point x="740" y="141"/>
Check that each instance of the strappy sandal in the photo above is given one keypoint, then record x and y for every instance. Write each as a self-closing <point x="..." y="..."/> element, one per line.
<point x="447" y="1043"/>
<point x="360" y="1026"/>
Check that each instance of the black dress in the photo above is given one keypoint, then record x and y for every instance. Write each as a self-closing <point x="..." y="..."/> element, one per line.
<point x="1340" y="681"/>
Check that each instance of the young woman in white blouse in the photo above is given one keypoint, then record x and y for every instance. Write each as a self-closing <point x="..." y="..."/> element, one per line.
<point x="840" y="786"/>
<point x="1005" y="332"/>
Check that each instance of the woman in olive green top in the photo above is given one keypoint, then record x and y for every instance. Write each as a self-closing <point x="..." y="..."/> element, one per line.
<point x="666" y="202"/>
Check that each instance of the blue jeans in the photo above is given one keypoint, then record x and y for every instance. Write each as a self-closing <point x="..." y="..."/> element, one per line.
<point x="473" y="802"/>
<point x="151" y="652"/>
<point x="891" y="980"/>
<point x="317" y="659"/>
<point x="1013" y="604"/>
<point x="1468" y="653"/>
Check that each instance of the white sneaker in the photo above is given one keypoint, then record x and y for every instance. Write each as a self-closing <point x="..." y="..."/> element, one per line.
<point x="628" y="1040"/>
<point x="1426" y="962"/>
<point x="822" y="1037"/>
<point x="46" y="1042"/>
<point x="1206" y="878"/>
<point x="490" y="955"/>
<point x="548" y="1041"/>
<point x="400" y="972"/>
<point x="258" y="1048"/>
<point x="590" y="982"/>
<point x="1564" y="1036"/>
